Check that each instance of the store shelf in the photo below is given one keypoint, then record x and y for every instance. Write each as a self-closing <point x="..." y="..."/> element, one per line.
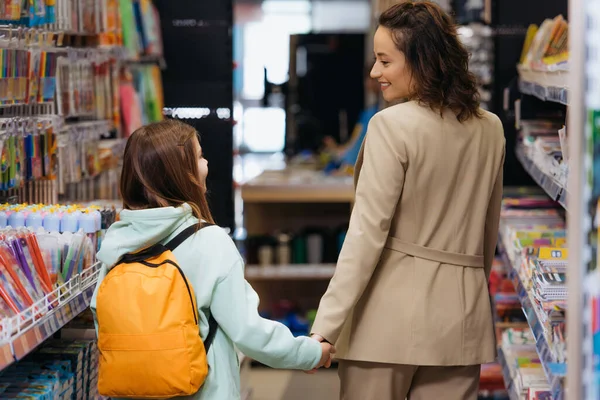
<point x="25" y="332"/>
<point x="554" y="189"/>
<point x="547" y="86"/>
<point x="291" y="272"/>
<point x="555" y="372"/>
<point x="298" y="186"/>
<point x="507" y="375"/>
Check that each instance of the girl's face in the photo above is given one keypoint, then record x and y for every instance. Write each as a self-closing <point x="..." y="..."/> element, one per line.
<point x="202" y="164"/>
<point x="390" y="68"/>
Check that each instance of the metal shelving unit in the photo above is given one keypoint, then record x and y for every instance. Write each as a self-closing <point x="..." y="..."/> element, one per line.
<point x="546" y="85"/>
<point x="578" y="218"/>
<point x="23" y="333"/>
<point x="507" y="374"/>
<point x="554" y="189"/>
<point x="555" y="371"/>
<point x="577" y="86"/>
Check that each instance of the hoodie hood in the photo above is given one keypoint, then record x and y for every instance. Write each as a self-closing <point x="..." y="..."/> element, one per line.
<point x="137" y="229"/>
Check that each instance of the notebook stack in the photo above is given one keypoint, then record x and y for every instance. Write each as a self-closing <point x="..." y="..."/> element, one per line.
<point x="522" y="365"/>
<point x="535" y="243"/>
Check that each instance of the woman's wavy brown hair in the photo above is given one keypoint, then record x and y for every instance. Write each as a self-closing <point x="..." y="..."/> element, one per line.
<point x="435" y="57"/>
<point x="160" y="169"/>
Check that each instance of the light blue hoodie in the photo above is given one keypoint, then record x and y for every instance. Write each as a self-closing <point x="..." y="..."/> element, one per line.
<point x="213" y="265"/>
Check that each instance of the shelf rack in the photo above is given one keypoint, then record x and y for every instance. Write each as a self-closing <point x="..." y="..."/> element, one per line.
<point x="292" y="272"/>
<point x="555" y="372"/>
<point x="25" y="332"/>
<point x="552" y="188"/>
<point x="545" y="85"/>
<point x="508" y="376"/>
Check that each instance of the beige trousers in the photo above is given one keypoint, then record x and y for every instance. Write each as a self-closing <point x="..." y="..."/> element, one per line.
<point x="374" y="381"/>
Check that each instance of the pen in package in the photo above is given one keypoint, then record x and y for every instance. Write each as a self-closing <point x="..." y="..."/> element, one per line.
<point x="12" y="292"/>
<point x="26" y="269"/>
<point x="51" y="253"/>
<point x="72" y="258"/>
<point x="33" y="257"/>
<point x="18" y="279"/>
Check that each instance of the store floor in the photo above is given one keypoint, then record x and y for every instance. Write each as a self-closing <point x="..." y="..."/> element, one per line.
<point x="269" y="384"/>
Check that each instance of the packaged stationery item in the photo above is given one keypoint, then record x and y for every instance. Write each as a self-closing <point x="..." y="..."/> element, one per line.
<point x="12" y="291"/>
<point x="32" y="253"/>
<point x="20" y="282"/>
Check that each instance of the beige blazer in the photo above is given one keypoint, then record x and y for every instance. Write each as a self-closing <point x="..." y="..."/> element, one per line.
<point x="410" y="285"/>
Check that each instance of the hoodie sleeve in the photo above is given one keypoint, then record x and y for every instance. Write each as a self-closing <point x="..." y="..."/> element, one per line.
<point x="101" y="276"/>
<point x="235" y="308"/>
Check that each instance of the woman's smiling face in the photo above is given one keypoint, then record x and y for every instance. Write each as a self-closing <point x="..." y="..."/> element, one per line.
<point x="390" y="68"/>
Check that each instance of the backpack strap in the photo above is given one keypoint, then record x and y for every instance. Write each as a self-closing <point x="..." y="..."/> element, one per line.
<point x="212" y="331"/>
<point x="172" y="245"/>
<point x="186" y="233"/>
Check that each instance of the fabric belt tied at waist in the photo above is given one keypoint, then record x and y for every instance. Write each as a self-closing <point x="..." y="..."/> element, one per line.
<point x="427" y="253"/>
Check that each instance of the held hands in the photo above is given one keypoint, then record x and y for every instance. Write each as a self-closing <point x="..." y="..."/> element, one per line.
<point x="326" y="352"/>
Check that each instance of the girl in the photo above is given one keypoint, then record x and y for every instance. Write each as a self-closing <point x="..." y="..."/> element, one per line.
<point x="408" y="308"/>
<point x="163" y="189"/>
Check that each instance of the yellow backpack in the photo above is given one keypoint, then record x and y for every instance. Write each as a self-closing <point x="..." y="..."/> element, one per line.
<point x="148" y="334"/>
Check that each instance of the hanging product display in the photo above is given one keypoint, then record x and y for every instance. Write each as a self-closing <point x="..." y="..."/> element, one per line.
<point x="27" y="70"/>
<point x="28" y="12"/>
<point x="62" y="109"/>
<point x="147" y="22"/>
<point x="142" y="99"/>
<point x="88" y="166"/>
<point x="141" y="28"/>
<point x="85" y="85"/>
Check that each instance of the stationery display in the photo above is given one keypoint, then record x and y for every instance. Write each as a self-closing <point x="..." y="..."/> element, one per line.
<point x="28" y="67"/>
<point x="542" y="142"/>
<point x="521" y="366"/>
<point x="44" y="247"/>
<point x="69" y="72"/>
<point x="85" y="85"/>
<point x="141" y="94"/>
<point x="43" y="160"/>
<point x="548" y="44"/>
<point x="533" y="243"/>
<point x="29" y="13"/>
<point x="61" y="369"/>
<point x="141" y="28"/>
<point x="544" y="63"/>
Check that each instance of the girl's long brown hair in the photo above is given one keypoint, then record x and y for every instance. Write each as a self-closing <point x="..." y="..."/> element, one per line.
<point x="160" y="169"/>
<point x="436" y="58"/>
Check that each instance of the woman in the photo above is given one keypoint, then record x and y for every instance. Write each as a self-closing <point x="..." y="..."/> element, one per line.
<point x="408" y="308"/>
<point x="163" y="189"/>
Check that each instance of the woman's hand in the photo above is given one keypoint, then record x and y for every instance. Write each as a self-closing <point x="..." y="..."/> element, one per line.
<point x="326" y="351"/>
